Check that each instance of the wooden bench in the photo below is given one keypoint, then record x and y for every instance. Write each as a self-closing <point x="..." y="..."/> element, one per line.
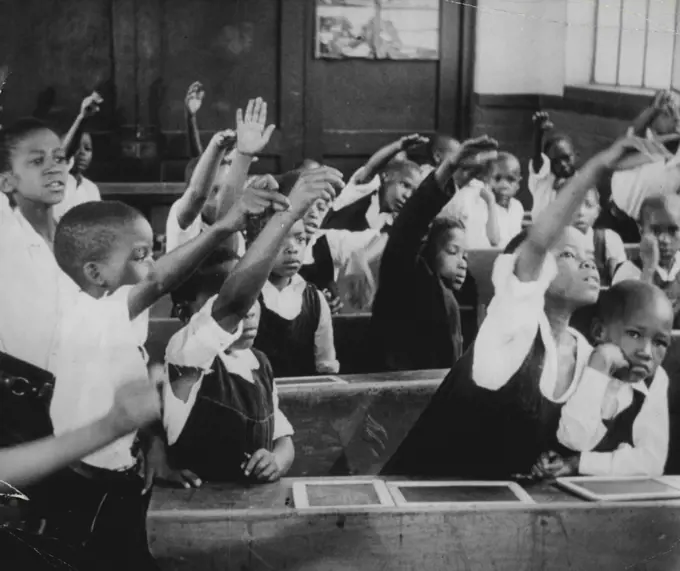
<point x="258" y="529"/>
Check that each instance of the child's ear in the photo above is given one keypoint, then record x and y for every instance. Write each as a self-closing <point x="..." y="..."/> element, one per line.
<point x="597" y="332"/>
<point x="8" y="183"/>
<point x="93" y="274"/>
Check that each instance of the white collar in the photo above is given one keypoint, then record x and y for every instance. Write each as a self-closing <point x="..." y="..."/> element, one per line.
<point x="671" y="274"/>
<point x="241" y="362"/>
<point x="376" y="219"/>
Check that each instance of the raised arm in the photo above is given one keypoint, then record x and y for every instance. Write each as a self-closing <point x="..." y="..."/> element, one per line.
<point x="202" y="179"/>
<point x="551" y="222"/>
<point x="493" y="229"/>
<point x="380" y="158"/>
<point x="542" y="124"/>
<point x="241" y="289"/>
<point x="192" y="103"/>
<point x="137" y="404"/>
<point x="88" y="108"/>
<point x="251" y="137"/>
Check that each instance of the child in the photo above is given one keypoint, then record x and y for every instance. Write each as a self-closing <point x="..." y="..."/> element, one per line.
<point x="552" y="164"/>
<point x="369" y="202"/>
<point x="135" y="405"/>
<point x="610" y="252"/>
<point x="498" y="409"/>
<point x="329" y="251"/>
<point x="616" y="423"/>
<point x="78" y="188"/>
<point x="491" y="215"/>
<point x="659" y="259"/>
<point x="106" y="249"/>
<point x="440" y="149"/>
<point x="296" y="330"/>
<point x="204" y="201"/>
<point x="416" y="319"/>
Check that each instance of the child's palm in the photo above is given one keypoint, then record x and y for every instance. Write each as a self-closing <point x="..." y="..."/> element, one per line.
<point x="252" y="135"/>
<point x="542" y="121"/>
<point x="312" y="185"/>
<point x="194" y="98"/>
<point x="90" y="105"/>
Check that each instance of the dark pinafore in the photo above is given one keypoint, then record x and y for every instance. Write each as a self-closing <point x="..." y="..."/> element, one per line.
<point x="671" y="289"/>
<point x="321" y="272"/>
<point x="471" y="432"/>
<point x="351" y="217"/>
<point x="620" y="428"/>
<point x="232" y="417"/>
<point x="290" y="343"/>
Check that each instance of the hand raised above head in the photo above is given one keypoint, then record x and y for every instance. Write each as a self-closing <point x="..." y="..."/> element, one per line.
<point x="631" y="152"/>
<point x="473" y="156"/>
<point x="411" y="141"/>
<point x="194" y="97"/>
<point x="225" y="139"/>
<point x="261" y="195"/>
<point x="542" y="121"/>
<point x="91" y="104"/>
<point x="311" y="185"/>
<point x="252" y="135"/>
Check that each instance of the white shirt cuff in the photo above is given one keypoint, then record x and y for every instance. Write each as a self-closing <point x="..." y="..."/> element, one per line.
<point x="595" y="464"/>
<point x="507" y="284"/>
<point x="282" y="426"/>
<point x="545" y="168"/>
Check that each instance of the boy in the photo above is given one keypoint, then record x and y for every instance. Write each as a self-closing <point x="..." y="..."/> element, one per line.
<point x="616" y="423"/>
<point x="491" y="215"/>
<point x="552" y="164"/>
<point x="659" y="259"/>
<point x="106" y="249"/>
<point x="610" y="252"/>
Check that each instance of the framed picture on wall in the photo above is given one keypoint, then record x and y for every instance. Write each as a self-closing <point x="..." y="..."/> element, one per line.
<point x="377" y="29"/>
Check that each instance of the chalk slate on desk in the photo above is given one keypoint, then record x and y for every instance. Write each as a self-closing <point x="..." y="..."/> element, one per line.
<point x="320" y="495"/>
<point x="459" y="494"/>
<point x="614" y="487"/>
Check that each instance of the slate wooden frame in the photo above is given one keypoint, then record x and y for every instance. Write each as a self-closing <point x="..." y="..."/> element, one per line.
<point x="301" y="499"/>
<point x="523" y="498"/>
<point x="571" y="484"/>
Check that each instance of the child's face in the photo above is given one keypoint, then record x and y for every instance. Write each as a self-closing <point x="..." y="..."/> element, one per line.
<point x="315" y="215"/>
<point x="291" y="255"/>
<point x="562" y="159"/>
<point x="588" y="212"/>
<point x="131" y="259"/>
<point x="39" y="169"/>
<point x="664" y="225"/>
<point x="250" y="325"/>
<point x="83" y="156"/>
<point x="450" y="262"/>
<point x="644" y="337"/>
<point x="504" y="181"/>
<point x="398" y="189"/>
<point x="577" y="282"/>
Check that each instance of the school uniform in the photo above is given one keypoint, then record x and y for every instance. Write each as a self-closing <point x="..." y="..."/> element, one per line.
<point x="329" y="251"/>
<point x="296" y="330"/>
<point x="623" y="432"/>
<point x="357" y="208"/>
<point x="609" y="252"/>
<point x="496" y="411"/>
<point x="667" y="280"/>
<point x="232" y="410"/>
<point x="100" y="505"/>
<point x="175" y="236"/>
<point x="76" y="192"/>
<point x="471" y="209"/>
<point x="416" y="319"/>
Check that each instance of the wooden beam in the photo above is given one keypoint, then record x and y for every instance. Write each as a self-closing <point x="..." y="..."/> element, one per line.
<point x="124" y="30"/>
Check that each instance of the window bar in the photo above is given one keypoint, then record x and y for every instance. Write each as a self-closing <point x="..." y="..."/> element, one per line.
<point x="646" y="47"/>
<point x="596" y="23"/>
<point x="618" y="53"/>
<point x="675" y="42"/>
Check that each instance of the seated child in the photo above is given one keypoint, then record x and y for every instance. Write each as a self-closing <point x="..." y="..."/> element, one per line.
<point x="296" y="328"/>
<point x="374" y="204"/>
<point x="106" y="249"/>
<point x="490" y="213"/>
<point x="78" y="188"/>
<point x="329" y="251"/>
<point x="223" y="396"/>
<point x="416" y="318"/>
<point x="552" y="164"/>
<point x="610" y="252"/>
<point x="498" y="409"/>
<point x="659" y="260"/>
<point x="616" y="423"/>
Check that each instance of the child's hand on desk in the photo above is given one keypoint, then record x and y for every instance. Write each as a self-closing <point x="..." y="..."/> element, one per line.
<point x="411" y="141"/>
<point x="542" y="121"/>
<point x="312" y="185"/>
<point x="90" y="105"/>
<point x="251" y="134"/>
<point x="262" y="466"/>
<point x="608" y="359"/>
<point x="552" y="465"/>
<point x="194" y="97"/>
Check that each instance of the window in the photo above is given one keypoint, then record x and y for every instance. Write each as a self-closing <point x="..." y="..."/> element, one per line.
<point x="636" y="43"/>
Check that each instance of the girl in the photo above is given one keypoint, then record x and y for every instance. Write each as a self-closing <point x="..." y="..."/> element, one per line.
<point x="499" y="407"/>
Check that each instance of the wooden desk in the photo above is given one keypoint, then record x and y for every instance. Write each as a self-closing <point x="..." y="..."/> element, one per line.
<point x="257" y="529"/>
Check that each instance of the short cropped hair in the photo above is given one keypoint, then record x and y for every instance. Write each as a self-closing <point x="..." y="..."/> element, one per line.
<point x="555" y="138"/>
<point x="401" y="168"/>
<point x="619" y="301"/>
<point x="439" y="230"/>
<point x="13" y="134"/>
<point x="88" y="232"/>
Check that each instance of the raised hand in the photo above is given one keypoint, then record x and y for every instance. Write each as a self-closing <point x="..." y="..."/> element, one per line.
<point x="471" y="158"/>
<point x="632" y="152"/>
<point x="91" y="104"/>
<point x="224" y="139"/>
<point x="251" y="133"/>
<point x="410" y="141"/>
<point x="542" y="121"/>
<point x="194" y="97"/>
<point x="311" y="185"/>
<point x="257" y="198"/>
